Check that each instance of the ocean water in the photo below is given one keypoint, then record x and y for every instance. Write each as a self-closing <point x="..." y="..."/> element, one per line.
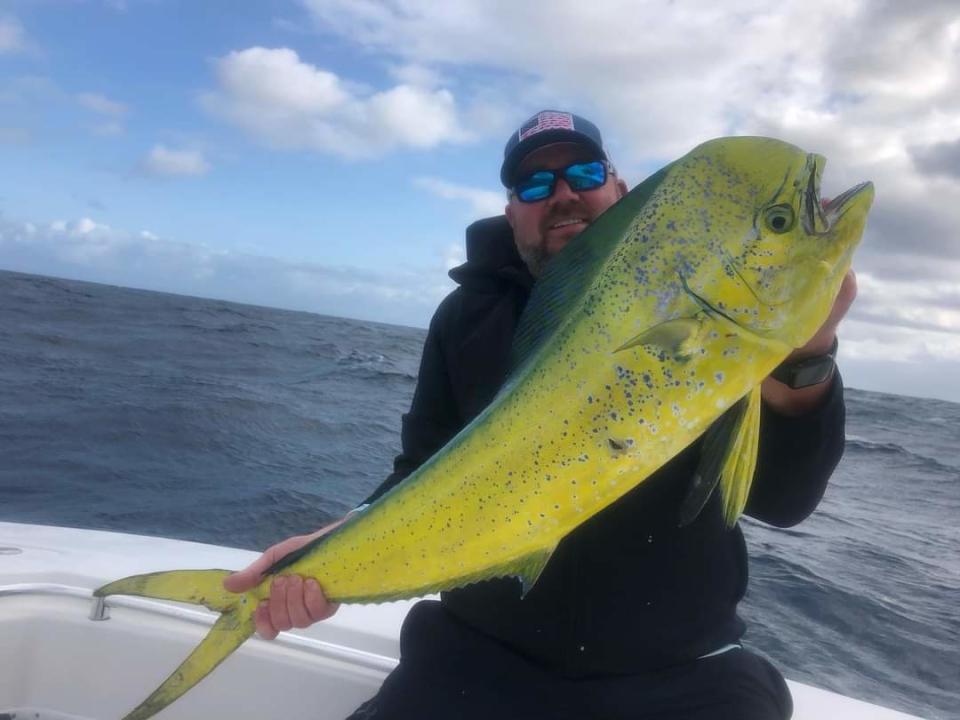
<point x="232" y="424"/>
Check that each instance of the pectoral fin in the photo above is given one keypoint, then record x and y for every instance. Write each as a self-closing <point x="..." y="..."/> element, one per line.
<point x="728" y="457"/>
<point x="679" y="338"/>
<point x="738" y="471"/>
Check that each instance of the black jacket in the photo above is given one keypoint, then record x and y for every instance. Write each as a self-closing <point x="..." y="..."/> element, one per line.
<point x="628" y="590"/>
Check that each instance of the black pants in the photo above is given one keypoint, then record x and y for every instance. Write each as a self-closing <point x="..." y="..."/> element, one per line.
<point x="450" y="672"/>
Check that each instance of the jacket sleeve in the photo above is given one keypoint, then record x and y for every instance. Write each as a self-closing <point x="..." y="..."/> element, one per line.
<point x="797" y="456"/>
<point x="433" y="417"/>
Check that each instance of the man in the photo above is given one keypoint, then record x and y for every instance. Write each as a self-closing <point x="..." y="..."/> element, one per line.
<point x="633" y="617"/>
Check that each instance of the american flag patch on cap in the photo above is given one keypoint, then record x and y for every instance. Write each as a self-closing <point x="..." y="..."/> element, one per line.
<point x="544" y="128"/>
<point x="546" y="120"/>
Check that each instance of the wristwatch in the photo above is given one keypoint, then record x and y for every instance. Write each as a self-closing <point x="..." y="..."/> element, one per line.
<point x="807" y="371"/>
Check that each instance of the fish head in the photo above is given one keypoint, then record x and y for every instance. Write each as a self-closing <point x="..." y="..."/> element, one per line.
<point x="784" y="251"/>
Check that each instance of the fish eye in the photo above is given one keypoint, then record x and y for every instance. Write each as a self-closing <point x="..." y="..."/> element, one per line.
<point x="779" y="218"/>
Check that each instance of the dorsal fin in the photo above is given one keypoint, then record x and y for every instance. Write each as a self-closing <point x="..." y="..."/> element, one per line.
<point x="571" y="273"/>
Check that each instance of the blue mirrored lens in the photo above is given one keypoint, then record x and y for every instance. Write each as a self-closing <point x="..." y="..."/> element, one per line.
<point x="537" y="186"/>
<point x="586" y="176"/>
<point x="579" y="176"/>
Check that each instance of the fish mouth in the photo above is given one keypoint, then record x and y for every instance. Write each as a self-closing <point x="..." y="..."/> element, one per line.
<point x="819" y="216"/>
<point x="835" y="208"/>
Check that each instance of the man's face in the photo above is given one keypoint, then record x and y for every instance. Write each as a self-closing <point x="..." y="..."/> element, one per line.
<point x="541" y="229"/>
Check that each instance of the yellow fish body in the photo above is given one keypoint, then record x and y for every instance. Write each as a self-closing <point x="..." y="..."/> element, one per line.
<point x="654" y="326"/>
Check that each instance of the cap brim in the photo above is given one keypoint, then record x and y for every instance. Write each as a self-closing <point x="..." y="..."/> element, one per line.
<point x="541" y="139"/>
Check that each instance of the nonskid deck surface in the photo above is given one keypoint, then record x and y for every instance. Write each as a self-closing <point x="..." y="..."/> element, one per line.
<point x="63" y="665"/>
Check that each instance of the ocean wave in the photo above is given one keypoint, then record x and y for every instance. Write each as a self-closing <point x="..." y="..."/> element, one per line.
<point x="357" y="358"/>
<point x="63" y="287"/>
<point x="146" y="420"/>
<point x="372" y="365"/>
<point x="242" y="328"/>
<point x="864" y="444"/>
<point x="383" y="373"/>
<point x="855" y="443"/>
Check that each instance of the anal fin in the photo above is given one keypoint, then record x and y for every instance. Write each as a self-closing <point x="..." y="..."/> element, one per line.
<point x="526" y="569"/>
<point x="531" y="567"/>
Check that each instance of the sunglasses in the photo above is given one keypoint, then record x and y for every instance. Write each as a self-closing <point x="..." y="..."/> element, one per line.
<point x="579" y="176"/>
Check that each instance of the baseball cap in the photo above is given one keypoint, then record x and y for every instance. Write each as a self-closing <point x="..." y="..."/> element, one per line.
<point x="545" y="128"/>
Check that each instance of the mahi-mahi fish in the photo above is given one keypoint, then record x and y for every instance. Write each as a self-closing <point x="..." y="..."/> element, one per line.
<point x="654" y="326"/>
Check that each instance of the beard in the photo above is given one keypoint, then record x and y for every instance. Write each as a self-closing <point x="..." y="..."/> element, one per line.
<point x="535" y="258"/>
<point x="537" y="250"/>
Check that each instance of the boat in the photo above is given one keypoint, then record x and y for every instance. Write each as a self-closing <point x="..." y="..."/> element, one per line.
<point x="67" y="656"/>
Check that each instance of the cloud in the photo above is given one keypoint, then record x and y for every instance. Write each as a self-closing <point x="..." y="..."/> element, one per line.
<point x="108" y="129"/>
<point x="482" y="203"/>
<point x="101" y="104"/>
<point x="12" y="36"/>
<point x="938" y="159"/>
<point x="667" y="75"/>
<point x="904" y="336"/>
<point x="111" y="109"/>
<point x="873" y="86"/>
<point x="290" y="104"/>
<point x="163" y="162"/>
<point x="417" y="75"/>
<point x="875" y="356"/>
<point x="932" y="306"/>
<point x="90" y="250"/>
<point x="453" y="256"/>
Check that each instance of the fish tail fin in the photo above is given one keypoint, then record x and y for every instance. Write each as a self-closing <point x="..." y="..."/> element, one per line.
<point x="199" y="587"/>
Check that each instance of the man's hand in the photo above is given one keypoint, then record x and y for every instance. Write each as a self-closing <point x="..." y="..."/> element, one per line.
<point x="294" y="602"/>
<point x="820" y="343"/>
<point x="788" y="401"/>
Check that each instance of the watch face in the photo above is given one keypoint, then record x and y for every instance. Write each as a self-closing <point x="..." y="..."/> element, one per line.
<point x="812" y="374"/>
<point x="811" y="371"/>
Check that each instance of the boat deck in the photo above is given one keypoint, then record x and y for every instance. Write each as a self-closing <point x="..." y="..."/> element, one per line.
<point x="66" y="657"/>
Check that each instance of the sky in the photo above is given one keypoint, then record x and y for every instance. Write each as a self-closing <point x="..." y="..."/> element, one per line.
<point x="326" y="155"/>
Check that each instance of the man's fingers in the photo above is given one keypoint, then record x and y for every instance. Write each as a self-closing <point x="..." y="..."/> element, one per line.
<point x="242" y="581"/>
<point x="848" y="290"/>
<point x="296" y="608"/>
<point x="317" y="604"/>
<point x="844" y="299"/>
<point x="294" y="602"/>
<point x="251" y="575"/>
<point x="279" y="616"/>
<point x="265" y="628"/>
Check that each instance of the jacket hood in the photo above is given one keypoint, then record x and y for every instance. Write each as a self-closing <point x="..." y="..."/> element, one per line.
<point x="492" y="257"/>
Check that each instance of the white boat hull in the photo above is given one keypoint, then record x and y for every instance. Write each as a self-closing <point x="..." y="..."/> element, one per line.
<point x="58" y="663"/>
